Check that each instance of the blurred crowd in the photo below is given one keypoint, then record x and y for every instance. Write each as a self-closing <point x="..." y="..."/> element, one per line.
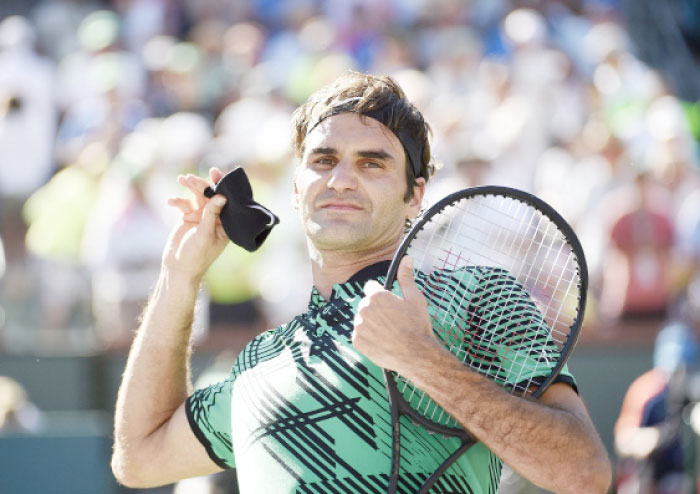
<point x="103" y="104"/>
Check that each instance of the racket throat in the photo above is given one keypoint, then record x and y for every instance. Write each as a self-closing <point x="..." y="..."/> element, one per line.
<point x="445" y="465"/>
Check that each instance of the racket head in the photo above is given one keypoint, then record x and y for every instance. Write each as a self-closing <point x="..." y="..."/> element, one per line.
<point x="493" y="236"/>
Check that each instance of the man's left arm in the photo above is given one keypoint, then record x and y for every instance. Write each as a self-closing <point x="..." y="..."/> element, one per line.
<point x="551" y="442"/>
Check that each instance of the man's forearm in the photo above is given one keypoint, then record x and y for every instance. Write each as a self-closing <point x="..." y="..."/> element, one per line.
<point x="553" y="447"/>
<point x="157" y="376"/>
<point x="153" y="443"/>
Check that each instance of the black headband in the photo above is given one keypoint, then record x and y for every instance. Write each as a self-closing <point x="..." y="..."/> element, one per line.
<point x="414" y="151"/>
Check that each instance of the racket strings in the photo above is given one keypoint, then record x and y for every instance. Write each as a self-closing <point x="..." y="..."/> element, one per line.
<point x="570" y="270"/>
<point x="508" y="254"/>
<point x="503" y="285"/>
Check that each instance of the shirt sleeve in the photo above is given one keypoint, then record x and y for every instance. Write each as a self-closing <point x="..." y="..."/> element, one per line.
<point x="209" y="414"/>
<point x="565" y="376"/>
<point x="509" y="339"/>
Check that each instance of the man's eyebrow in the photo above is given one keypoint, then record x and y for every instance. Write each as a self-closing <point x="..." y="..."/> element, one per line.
<point x="324" y="150"/>
<point x="379" y="154"/>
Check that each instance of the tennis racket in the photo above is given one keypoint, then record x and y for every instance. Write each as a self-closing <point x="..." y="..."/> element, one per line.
<point x="505" y="279"/>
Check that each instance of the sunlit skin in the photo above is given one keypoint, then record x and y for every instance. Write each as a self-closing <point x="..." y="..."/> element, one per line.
<point x="349" y="191"/>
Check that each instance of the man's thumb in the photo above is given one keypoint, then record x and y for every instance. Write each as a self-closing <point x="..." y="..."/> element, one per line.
<point x="404" y="275"/>
<point x="212" y="210"/>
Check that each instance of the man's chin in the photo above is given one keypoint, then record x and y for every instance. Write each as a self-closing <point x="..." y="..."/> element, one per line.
<point x="336" y="237"/>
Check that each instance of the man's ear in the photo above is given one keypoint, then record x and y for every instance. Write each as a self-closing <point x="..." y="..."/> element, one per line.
<point x="416" y="200"/>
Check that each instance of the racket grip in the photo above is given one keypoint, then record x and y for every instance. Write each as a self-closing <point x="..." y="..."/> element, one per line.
<point x="395" y="459"/>
<point x="396" y="435"/>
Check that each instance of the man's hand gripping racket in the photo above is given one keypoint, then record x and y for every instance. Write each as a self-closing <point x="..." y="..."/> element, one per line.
<point x="503" y="278"/>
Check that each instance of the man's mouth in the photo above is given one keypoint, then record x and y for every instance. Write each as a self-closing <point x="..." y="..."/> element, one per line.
<point x="341" y="206"/>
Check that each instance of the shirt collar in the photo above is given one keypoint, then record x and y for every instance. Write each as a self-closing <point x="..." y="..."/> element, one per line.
<point x="371" y="272"/>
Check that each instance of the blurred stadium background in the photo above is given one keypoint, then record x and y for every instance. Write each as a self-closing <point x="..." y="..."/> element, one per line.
<point x="594" y="105"/>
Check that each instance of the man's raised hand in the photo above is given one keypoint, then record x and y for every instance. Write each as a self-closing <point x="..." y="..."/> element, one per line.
<point x="198" y="239"/>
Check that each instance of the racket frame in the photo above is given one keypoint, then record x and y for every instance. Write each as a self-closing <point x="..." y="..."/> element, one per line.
<point x="397" y="402"/>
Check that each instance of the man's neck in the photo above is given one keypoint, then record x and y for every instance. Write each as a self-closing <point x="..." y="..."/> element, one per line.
<point x="331" y="267"/>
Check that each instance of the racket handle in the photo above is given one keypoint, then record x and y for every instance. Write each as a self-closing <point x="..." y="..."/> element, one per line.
<point x="395" y="459"/>
<point x="395" y="434"/>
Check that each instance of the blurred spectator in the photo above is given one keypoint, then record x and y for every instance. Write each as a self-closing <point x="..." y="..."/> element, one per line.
<point x="126" y="228"/>
<point x="145" y="19"/>
<point x="27" y="127"/>
<point x="17" y="413"/>
<point x="100" y="88"/>
<point x="57" y="24"/>
<point x="648" y="432"/>
<point x="688" y="220"/>
<point x="122" y="245"/>
<point x="637" y="275"/>
<point x="56" y="214"/>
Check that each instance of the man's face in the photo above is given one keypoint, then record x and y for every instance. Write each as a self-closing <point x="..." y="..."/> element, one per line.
<point x="350" y="185"/>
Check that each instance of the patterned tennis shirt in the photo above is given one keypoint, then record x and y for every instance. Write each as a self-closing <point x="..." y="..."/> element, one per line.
<point x="302" y="411"/>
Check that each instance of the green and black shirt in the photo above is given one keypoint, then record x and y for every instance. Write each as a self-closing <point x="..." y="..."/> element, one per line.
<point x="303" y="412"/>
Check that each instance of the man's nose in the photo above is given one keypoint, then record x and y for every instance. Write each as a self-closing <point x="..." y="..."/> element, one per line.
<point x="343" y="176"/>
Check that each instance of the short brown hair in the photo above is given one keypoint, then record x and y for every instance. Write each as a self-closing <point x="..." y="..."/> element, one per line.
<point x="367" y="95"/>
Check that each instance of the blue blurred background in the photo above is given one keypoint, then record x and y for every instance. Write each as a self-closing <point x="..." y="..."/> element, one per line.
<point x="594" y="105"/>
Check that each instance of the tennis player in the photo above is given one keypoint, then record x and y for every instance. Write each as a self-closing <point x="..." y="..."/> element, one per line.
<point x="304" y="408"/>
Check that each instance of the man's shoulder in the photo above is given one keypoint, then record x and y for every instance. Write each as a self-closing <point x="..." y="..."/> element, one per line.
<point x="270" y="339"/>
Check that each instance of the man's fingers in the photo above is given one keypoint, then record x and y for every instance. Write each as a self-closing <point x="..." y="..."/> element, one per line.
<point x="212" y="210"/>
<point x="189" y="213"/>
<point x="184" y="205"/>
<point x="407" y="282"/>
<point x="196" y="185"/>
<point x="215" y="175"/>
<point x="193" y="183"/>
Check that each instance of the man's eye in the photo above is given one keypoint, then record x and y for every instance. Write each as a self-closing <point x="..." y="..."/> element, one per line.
<point x="372" y="164"/>
<point x="325" y="161"/>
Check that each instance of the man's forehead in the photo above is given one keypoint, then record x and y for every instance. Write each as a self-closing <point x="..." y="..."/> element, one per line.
<point x="351" y="129"/>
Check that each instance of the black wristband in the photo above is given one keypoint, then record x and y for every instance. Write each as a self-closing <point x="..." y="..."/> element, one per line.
<point x="246" y="222"/>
